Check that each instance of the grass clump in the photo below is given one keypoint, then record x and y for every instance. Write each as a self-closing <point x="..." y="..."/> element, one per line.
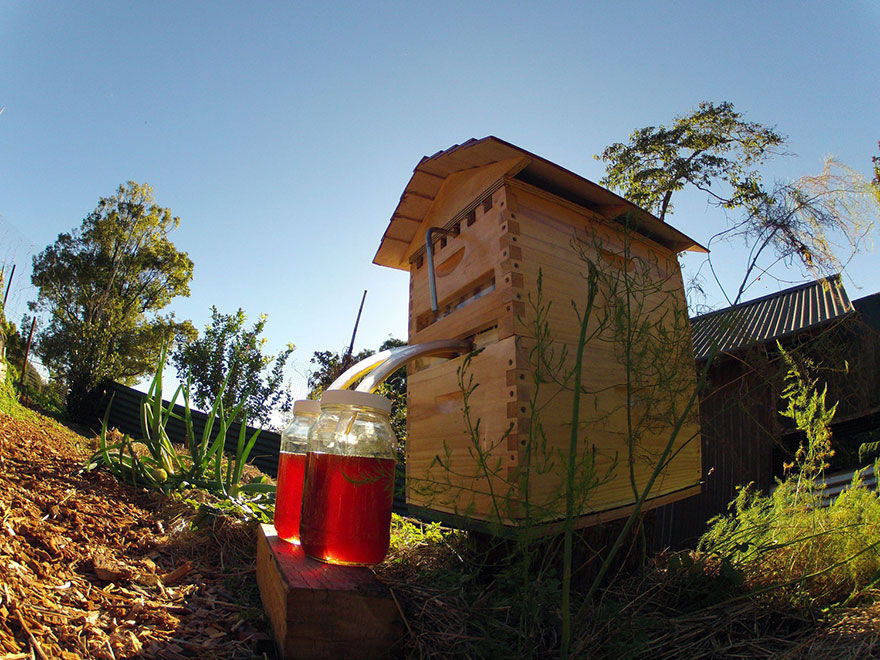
<point x="9" y="403"/>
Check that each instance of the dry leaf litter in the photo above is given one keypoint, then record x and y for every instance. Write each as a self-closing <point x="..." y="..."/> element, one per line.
<point x="92" y="568"/>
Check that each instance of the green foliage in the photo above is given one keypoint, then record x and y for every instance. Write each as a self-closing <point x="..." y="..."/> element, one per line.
<point x="408" y="534"/>
<point x="154" y="462"/>
<point x="876" y="180"/>
<point x="9" y="403"/>
<point x="8" y="399"/>
<point x="789" y="544"/>
<point x="229" y="353"/>
<point x="870" y="446"/>
<point x="330" y="365"/>
<point x="47" y="397"/>
<point x="711" y="145"/>
<point x="15" y="343"/>
<point x="102" y="287"/>
<point x="806" y="407"/>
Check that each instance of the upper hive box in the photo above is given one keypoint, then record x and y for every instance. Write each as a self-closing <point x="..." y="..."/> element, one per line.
<point x="482" y="227"/>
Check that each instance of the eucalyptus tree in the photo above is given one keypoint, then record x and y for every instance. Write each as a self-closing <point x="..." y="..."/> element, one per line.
<point x="710" y="146"/>
<point x="102" y="287"/>
<point x="817" y="221"/>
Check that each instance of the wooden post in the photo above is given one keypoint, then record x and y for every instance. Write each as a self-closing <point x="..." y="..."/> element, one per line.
<point x="322" y="611"/>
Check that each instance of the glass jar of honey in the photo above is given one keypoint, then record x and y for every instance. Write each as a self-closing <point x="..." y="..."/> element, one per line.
<point x="349" y="481"/>
<point x="292" y="468"/>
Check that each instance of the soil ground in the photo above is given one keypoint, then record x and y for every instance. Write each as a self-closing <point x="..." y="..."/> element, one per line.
<point x="93" y="568"/>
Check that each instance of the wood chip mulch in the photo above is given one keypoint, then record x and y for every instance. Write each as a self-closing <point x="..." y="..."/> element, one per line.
<point x="92" y="568"/>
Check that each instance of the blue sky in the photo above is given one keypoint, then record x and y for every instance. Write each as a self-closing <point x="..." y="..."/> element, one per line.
<point x="283" y="134"/>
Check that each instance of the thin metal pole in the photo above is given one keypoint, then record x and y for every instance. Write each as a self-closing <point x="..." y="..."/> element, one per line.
<point x="26" y="352"/>
<point x="8" y="284"/>
<point x="347" y="355"/>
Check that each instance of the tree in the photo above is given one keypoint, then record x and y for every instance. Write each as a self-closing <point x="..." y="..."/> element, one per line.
<point x="711" y="145"/>
<point x="810" y="221"/>
<point x="818" y="221"/>
<point x="103" y="286"/>
<point x="330" y="365"/>
<point x="876" y="181"/>
<point x="228" y="348"/>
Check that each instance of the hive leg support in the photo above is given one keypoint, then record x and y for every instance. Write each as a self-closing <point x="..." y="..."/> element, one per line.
<point x="323" y="611"/>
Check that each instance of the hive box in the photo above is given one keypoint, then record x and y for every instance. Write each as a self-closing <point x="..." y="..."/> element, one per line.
<point x="509" y="218"/>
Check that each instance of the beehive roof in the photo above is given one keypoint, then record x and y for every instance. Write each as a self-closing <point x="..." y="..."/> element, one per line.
<point x="432" y="171"/>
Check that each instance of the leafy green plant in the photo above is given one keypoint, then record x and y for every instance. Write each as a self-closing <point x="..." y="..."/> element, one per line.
<point x="230" y="353"/>
<point x="155" y="462"/>
<point x="789" y="542"/>
<point x="102" y="287"/>
<point x="409" y="533"/>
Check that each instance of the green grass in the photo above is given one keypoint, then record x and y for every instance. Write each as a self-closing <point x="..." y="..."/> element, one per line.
<point x="9" y="403"/>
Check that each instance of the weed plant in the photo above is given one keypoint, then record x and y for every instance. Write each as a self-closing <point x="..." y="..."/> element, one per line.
<point x="9" y="403"/>
<point x="630" y="308"/>
<point x="154" y="462"/>
<point x="8" y="400"/>
<point x="792" y="543"/>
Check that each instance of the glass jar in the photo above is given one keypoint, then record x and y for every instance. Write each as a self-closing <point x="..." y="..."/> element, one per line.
<point x="349" y="484"/>
<point x="291" y="469"/>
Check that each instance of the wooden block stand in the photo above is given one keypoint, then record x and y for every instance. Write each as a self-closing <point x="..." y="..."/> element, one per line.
<point x="323" y="611"/>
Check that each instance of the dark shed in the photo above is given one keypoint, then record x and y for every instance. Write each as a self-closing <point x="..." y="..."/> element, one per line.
<point x="744" y="438"/>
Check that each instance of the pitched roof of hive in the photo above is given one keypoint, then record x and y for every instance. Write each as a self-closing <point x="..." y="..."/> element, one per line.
<point x="432" y="171"/>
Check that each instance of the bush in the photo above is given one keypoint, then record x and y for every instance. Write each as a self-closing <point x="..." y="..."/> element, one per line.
<point x="789" y="542"/>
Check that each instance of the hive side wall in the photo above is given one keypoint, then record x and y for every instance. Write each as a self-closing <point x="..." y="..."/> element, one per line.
<point x="558" y="239"/>
<point x="451" y="466"/>
<point x="516" y="466"/>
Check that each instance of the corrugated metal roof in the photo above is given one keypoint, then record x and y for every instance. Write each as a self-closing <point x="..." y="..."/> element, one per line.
<point x="770" y="317"/>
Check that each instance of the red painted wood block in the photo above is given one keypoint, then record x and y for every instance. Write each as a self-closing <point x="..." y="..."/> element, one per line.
<point x="318" y="610"/>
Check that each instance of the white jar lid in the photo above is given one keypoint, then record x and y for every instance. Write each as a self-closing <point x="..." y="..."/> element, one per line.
<point x="306" y="407"/>
<point x="355" y="398"/>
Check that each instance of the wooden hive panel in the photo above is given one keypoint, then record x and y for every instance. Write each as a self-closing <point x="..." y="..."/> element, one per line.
<point x="520" y="233"/>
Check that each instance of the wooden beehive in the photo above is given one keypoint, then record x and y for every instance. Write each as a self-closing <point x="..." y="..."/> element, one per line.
<point x="510" y="218"/>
